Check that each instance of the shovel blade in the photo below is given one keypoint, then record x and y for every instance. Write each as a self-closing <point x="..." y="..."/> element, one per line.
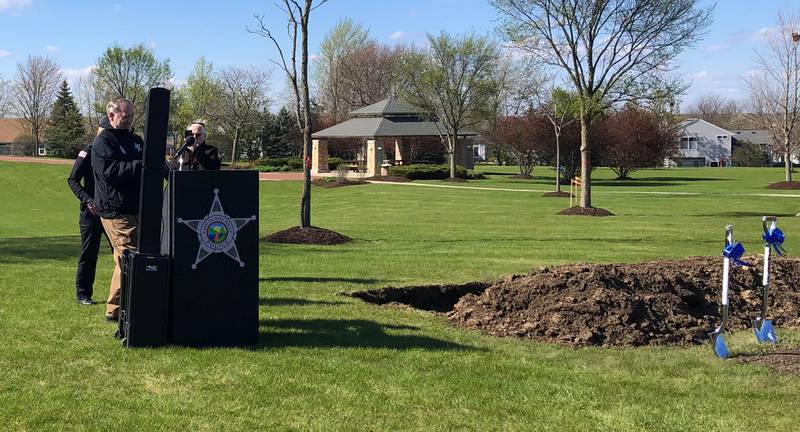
<point x="720" y="349"/>
<point x="765" y="333"/>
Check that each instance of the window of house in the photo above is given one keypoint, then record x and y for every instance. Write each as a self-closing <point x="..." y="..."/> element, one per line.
<point x="688" y="143"/>
<point x="722" y="136"/>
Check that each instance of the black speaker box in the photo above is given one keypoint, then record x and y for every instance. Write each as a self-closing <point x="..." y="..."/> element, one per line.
<point x="145" y="293"/>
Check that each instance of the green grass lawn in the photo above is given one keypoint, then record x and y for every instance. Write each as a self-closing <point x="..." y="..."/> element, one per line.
<point x="328" y="362"/>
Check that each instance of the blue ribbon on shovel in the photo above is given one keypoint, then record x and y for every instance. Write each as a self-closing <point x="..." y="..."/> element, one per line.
<point x="735" y="252"/>
<point x="774" y="238"/>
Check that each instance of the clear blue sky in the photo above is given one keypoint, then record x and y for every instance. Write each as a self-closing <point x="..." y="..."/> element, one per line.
<point x="75" y="33"/>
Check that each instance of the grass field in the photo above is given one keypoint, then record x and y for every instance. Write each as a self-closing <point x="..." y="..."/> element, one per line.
<point x="327" y="362"/>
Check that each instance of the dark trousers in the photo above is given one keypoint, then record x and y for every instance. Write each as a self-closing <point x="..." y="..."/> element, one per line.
<point x="91" y="233"/>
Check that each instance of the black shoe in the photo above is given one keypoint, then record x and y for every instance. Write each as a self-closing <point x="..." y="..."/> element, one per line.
<point x="86" y="301"/>
<point x="112" y="318"/>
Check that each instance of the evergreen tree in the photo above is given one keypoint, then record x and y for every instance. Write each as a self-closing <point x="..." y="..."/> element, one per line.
<point x="280" y="135"/>
<point x="65" y="131"/>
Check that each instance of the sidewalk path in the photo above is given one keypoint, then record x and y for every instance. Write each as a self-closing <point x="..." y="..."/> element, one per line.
<point x="595" y="191"/>
<point x="264" y="176"/>
<point x="41" y="160"/>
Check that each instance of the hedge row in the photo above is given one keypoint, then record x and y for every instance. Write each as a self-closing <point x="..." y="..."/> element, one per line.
<point x="290" y="163"/>
<point x="430" y="172"/>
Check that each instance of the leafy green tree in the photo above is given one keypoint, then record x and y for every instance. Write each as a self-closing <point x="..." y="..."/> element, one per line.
<point x="750" y="155"/>
<point x="130" y="73"/>
<point x="345" y="39"/>
<point x="610" y="51"/>
<point x="65" y="131"/>
<point x="456" y="80"/>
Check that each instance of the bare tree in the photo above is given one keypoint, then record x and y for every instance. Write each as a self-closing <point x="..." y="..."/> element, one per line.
<point x="298" y="17"/>
<point x="366" y="76"/>
<point x="716" y="109"/>
<point x="610" y="50"/>
<point x="5" y="98"/>
<point x="91" y="105"/>
<point x="456" y="80"/>
<point x="775" y="89"/>
<point x="34" y="91"/>
<point x="244" y="97"/>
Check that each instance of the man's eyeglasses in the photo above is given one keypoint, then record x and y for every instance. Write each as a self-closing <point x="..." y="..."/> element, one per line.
<point x="197" y="134"/>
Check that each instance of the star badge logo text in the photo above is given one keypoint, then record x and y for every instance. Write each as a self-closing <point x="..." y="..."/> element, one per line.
<point x="217" y="232"/>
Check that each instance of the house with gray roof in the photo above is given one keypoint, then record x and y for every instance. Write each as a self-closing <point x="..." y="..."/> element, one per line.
<point x="384" y="129"/>
<point x="703" y="144"/>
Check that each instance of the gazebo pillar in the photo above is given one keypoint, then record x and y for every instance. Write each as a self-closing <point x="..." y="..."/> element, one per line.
<point x="374" y="156"/>
<point x="402" y="151"/>
<point x="319" y="156"/>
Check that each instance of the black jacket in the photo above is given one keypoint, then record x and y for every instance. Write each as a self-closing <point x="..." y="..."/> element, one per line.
<point x="82" y="172"/>
<point x="204" y="157"/>
<point x="117" y="166"/>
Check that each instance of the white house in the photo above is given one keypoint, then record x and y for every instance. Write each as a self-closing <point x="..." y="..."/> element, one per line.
<point x="703" y="144"/>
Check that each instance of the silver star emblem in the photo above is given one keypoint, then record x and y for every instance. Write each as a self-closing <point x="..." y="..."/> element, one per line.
<point x="217" y="232"/>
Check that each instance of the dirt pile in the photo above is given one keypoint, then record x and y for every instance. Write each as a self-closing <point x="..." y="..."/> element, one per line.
<point x="785" y="185"/>
<point x="650" y="303"/>
<point x="309" y="236"/>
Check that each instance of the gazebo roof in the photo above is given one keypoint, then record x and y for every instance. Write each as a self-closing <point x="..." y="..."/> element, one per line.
<point x="387" y="107"/>
<point x="387" y="118"/>
<point x="376" y="127"/>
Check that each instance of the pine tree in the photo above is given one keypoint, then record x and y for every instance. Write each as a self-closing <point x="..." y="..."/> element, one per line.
<point x="279" y="135"/>
<point x="66" y="132"/>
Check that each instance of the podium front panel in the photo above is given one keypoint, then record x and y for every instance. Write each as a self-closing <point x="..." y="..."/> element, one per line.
<point x="214" y="246"/>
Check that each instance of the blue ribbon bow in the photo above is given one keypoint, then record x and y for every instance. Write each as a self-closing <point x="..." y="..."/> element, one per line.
<point x="774" y="238"/>
<point x="735" y="252"/>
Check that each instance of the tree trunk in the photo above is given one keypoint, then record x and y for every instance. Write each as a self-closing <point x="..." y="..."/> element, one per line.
<point x="787" y="157"/>
<point x="234" y="148"/>
<point x="305" y="202"/>
<point x="558" y="161"/>
<point x="452" y="150"/>
<point x="586" y="163"/>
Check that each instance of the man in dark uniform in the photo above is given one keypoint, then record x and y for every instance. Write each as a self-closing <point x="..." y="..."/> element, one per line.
<point x="90" y="227"/>
<point x="117" y="166"/>
<point x="200" y="155"/>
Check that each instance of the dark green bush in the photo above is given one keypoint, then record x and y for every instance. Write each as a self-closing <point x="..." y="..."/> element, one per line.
<point x="275" y="162"/>
<point x="295" y="163"/>
<point x="334" y="163"/>
<point x="428" y="172"/>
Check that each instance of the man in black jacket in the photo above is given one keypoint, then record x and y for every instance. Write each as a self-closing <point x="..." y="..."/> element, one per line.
<point x="81" y="181"/>
<point x="117" y="165"/>
<point x="200" y="155"/>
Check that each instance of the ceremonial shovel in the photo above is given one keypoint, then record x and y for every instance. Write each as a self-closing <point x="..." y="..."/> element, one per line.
<point x="773" y="238"/>
<point x="732" y="251"/>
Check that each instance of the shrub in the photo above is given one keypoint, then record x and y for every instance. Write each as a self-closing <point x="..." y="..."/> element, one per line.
<point x="275" y="162"/>
<point x="295" y="163"/>
<point x="428" y="172"/>
<point x="750" y="155"/>
<point x="334" y="162"/>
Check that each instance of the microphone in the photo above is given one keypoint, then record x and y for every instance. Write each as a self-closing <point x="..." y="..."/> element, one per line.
<point x="189" y="141"/>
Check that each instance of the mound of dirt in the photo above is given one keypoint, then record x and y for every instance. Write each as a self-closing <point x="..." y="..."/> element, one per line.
<point x="582" y="211"/>
<point x="561" y="194"/>
<point x="792" y="185"/>
<point x="309" y="236"/>
<point x="650" y="303"/>
<point x="337" y="183"/>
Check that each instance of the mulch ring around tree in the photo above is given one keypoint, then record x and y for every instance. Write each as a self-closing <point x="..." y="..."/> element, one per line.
<point x="780" y="360"/>
<point x="308" y="236"/>
<point x="560" y="194"/>
<point x="784" y="185"/>
<point x="395" y="179"/>
<point x="583" y="211"/>
<point x="610" y="305"/>
<point x="329" y="184"/>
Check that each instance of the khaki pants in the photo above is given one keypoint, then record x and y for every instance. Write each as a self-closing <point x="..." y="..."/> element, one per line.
<point x="122" y="232"/>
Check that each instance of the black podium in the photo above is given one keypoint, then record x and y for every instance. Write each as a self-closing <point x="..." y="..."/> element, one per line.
<point x="210" y="233"/>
